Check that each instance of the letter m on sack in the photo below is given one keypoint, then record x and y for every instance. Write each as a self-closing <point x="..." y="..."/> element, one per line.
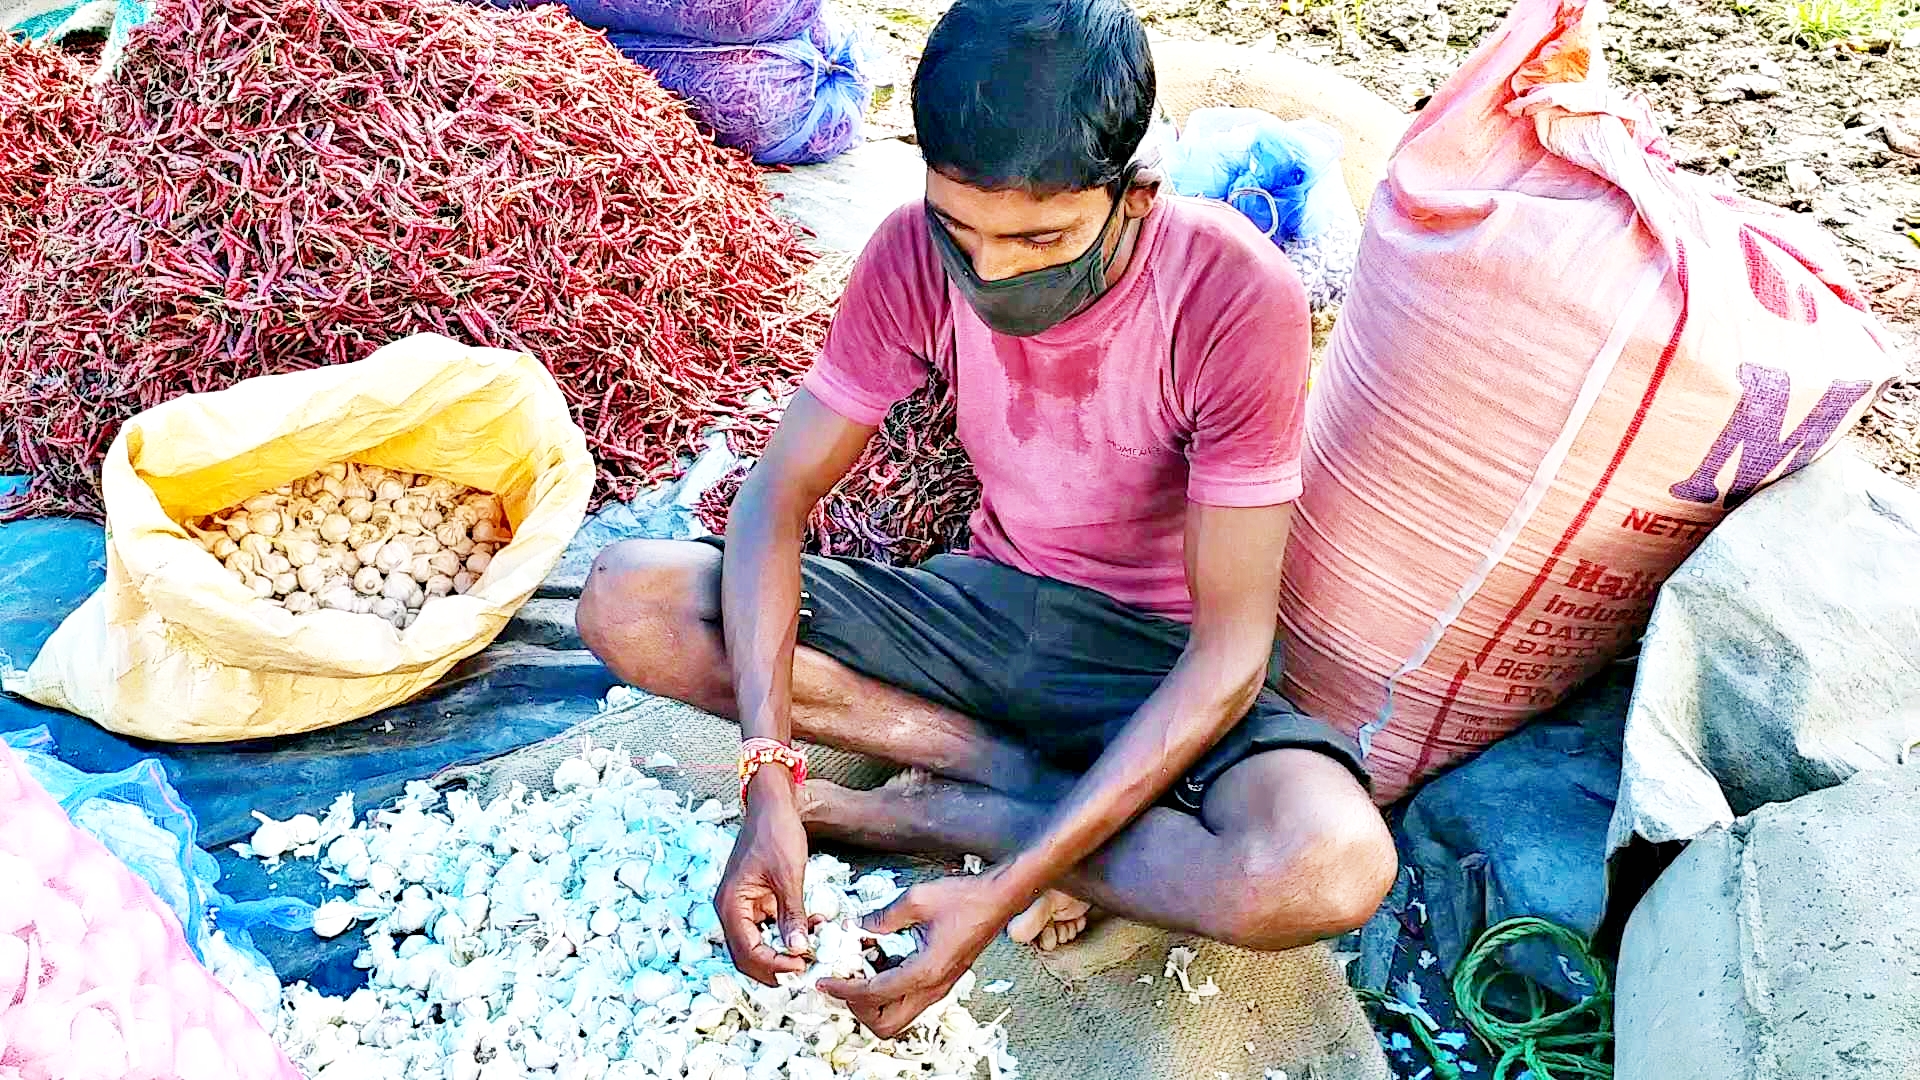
<point x="1754" y="432"/>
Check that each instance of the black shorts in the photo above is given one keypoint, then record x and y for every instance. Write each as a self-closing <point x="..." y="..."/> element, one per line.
<point x="1055" y="667"/>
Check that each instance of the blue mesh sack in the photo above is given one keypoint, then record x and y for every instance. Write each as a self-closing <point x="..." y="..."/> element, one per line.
<point x="713" y="22"/>
<point x="785" y="102"/>
<point x="1284" y="176"/>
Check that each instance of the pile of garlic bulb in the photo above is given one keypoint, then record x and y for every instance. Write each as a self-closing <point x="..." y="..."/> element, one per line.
<point x="358" y="538"/>
<point x="573" y="936"/>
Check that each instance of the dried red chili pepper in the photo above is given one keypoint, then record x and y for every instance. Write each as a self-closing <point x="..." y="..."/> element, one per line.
<point x="46" y="120"/>
<point x="907" y="499"/>
<point x="280" y="184"/>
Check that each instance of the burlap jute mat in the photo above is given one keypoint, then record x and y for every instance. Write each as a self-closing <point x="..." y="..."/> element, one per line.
<point x="1083" y="1013"/>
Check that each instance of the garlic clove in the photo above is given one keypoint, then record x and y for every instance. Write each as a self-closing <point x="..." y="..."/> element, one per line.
<point x="332" y="918"/>
<point x="338" y="598"/>
<point x="334" y="528"/>
<point x="478" y="562"/>
<point x="464" y="580"/>
<point x="256" y="545"/>
<point x="301" y="552"/>
<point x="368" y="581"/>
<point x="224" y="546"/>
<point x="421" y="568"/>
<point x="438" y="585"/>
<point x="300" y="602"/>
<point x="393" y="555"/>
<point x="309" y="516"/>
<point x="286" y="584"/>
<point x="273" y="564"/>
<point x="398" y="586"/>
<point x="236" y="526"/>
<point x="265" y="522"/>
<point x="388" y="490"/>
<point x="262" y="586"/>
<point x="311" y="578"/>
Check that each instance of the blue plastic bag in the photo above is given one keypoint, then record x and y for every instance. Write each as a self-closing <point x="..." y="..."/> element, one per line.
<point x="789" y="102"/>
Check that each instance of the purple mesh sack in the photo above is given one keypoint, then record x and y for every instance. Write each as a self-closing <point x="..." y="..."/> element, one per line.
<point x="722" y="22"/>
<point x="783" y="102"/>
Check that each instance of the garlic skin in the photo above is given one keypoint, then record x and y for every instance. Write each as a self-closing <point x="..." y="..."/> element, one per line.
<point x="572" y="936"/>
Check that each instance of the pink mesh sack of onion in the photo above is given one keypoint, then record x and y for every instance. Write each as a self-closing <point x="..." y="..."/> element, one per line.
<point x="96" y="980"/>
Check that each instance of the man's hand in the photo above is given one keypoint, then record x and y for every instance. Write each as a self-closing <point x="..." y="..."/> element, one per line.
<point x="764" y="881"/>
<point x="957" y="917"/>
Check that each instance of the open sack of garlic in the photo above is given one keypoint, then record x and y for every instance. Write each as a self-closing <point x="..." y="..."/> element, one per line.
<point x="172" y="647"/>
<point x="574" y="937"/>
<point x="358" y="538"/>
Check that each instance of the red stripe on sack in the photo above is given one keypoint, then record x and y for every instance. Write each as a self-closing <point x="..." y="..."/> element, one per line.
<point x="1600" y="489"/>
<point x="1439" y="721"/>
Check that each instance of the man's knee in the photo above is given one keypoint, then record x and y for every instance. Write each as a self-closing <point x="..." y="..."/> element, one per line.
<point x="1319" y="883"/>
<point x="1316" y="856"/>
<point x="640" y="590"/>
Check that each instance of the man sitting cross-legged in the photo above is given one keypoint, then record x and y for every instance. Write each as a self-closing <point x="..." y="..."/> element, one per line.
<point x="1089" y="697"/>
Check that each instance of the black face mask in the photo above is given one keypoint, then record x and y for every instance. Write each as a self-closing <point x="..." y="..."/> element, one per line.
<point x="1038" y="300"/>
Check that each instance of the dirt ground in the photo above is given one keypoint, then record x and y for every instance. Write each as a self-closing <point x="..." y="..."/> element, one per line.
<point x="1830" y="130"/>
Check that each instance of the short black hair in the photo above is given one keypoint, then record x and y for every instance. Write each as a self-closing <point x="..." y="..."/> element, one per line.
<point x="1044" y="96"/>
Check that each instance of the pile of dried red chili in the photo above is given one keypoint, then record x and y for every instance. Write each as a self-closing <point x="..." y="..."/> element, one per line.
<point x="281" y="184"/>
<point x="46" y="121"/>
<point x="908" y="497"/>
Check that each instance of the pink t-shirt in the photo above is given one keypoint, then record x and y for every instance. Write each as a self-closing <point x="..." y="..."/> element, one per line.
<point x="1186" y="382"/>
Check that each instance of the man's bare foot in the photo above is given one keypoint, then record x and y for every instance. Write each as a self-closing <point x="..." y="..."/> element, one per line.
<point x="1051" y="921"/>
<point x="843" y="813"/>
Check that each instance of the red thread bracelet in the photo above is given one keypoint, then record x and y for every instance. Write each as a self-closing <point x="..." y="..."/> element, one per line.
<point x="755" y="753"/>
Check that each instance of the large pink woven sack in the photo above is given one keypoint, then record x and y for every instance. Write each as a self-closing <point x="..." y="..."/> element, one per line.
<point x="1561" y="363"/>
<point x="96" y="980"/>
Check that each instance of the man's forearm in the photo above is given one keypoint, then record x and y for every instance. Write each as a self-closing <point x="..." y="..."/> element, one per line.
<point x="1207" y="692"/>
<point x="760" y="607"/>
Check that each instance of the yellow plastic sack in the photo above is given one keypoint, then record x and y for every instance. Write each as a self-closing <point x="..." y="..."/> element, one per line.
<point x="172" y="648"/>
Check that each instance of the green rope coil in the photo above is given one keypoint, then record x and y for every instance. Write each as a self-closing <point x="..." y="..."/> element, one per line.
<point x="1575" y="1043"/>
